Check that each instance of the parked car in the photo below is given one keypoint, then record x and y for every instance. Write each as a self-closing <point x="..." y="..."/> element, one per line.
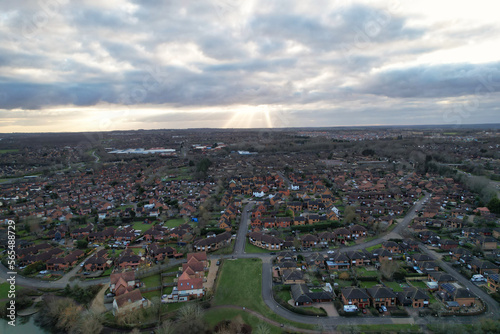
<point x="384" y="308"/>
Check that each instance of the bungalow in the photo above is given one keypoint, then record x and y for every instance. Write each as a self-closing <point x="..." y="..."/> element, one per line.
<point x="213" y="243"/>
<point x="293" y="276"/>
<point x="301" y="295"/>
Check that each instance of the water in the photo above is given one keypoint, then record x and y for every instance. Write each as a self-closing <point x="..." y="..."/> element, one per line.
<point x="24" y="325"/>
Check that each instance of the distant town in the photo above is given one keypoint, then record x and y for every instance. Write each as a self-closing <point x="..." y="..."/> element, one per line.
<point x="348" y="230"/>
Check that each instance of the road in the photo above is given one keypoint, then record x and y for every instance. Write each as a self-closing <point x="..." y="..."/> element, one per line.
<point x="239" y="247"/>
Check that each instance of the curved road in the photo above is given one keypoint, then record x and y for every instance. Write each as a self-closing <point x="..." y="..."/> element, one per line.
<point x="327" y="323"/>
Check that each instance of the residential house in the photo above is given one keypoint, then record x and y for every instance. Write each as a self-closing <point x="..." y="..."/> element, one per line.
<point x="355" y="296"/>
<point x="129" y="302"/>
<point x="414" y="297"/>
<point x="382" y="296"/>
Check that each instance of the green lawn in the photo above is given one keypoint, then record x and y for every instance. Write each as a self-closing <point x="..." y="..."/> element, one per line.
<point x="151" y="294"/>
<point x="151" y="281"/>
<point x="249" y="248"/>
<point x="141" y="226"/>
<point x="284" y="295"/>
<point x="107" y="272"/>
<point x="4" y="290"/>
<point x="418" y="284"/>
<point x="240" y="283"/>
<point x="367" y="284"/>
<point x="394" y="286"/>
<point x="362" y="272"/>
<point x="9" y="151"/>
<point x="374" y="247"/>
<point x="213" y="317"/>
<point x="397" y="328"/>
<point x="174" y="222"/>
<point x="343" y="283"/>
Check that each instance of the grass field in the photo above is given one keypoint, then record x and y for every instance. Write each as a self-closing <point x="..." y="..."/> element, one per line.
<point x="374" y="247"/>
<point x="418" y="284"/>
<point x="249" y="248"/>
<point x="152" y="294"/>
<point x="396" y="328"/>
<point x="394" y="286"/>
<point x="151" y="281"/>
<point x="213" y="317"/>
<point x="240" y="283"/>
<point x="9" y="151"/>
<point x="4" y="290"/>
<point x="174" y="222"/>
<point x="367" y="284"/>
<point x="141" y="226"/>
<point x="362" y="272"/>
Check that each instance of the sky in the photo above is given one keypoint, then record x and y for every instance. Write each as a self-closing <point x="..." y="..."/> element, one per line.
<point x="95" y="65"/>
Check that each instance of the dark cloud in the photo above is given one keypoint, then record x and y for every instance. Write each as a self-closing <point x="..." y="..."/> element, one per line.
<point x="448" y="80"/>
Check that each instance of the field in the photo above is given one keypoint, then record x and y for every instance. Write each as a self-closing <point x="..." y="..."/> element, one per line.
<point x="213" y="317"/>
<point x="396" y="328"/>
<point x="174" y="222"/>
<point x="141" y="226"/>
<point x="9" y="151"/>
<point x="394" y="286"/>
<point x="240" y="283"/>
<point x="367" y="284"/>
<point x="418" y="284"/>
<point x="362" y="272"/>
<point x="151" y="281"/>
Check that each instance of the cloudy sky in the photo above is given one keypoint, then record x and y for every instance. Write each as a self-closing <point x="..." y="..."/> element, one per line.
<point x="99" y="65"/>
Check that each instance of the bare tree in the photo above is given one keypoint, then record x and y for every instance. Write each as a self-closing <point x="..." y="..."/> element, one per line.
<point x="190" y="320"/>
<point x="388" y="268"/>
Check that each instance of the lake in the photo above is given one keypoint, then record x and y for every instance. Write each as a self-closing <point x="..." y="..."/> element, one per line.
<point x="21" y="326"/>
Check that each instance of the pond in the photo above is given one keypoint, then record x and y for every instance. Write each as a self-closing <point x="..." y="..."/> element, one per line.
<point x="24" y="325"/>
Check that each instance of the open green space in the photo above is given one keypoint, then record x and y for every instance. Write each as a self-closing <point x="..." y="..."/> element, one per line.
<point x="372" y="248"/>
<point x="9" y="151"/>
<point x="174" y="222"/>
<point x="343" y="283"/>
<point x="240" y="283"/>
<point x="152" y="294"/>
<point x="151" y="281"/>
<point x="213" y="317"/>
<point x="418" y="284"/>
<point x="362" y="272"/>
<point x="249" y="248"/>
<point x="367" y="284"/>
<point x="393" y="328"/>
<point x="141" y="226"/>
<point x="4" y="290"/>
<point x="395" y="286"/>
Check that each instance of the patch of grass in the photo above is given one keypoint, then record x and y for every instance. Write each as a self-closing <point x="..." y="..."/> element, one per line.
<point x="174" y="222"/>
<point x="213" y="317"/>
<point x="343" y="283"/>
<point x="240" y="283"/>
<point x="393" y="328"/>
<point x="374" y="246"/>
<point x="141" y="226"/>
<point x="151" y="281"/>
<point x="362" y="272"/>
<point x="107" y="272"/>
<point x="394" y="286"/>
<point x="9" y="151"/>
<point x="151" y="294"/>
<point x="4" y="289"/>
<point x="418" y="284"/>
<point x="249" y="248"/>
<point x="367" y="284"/>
